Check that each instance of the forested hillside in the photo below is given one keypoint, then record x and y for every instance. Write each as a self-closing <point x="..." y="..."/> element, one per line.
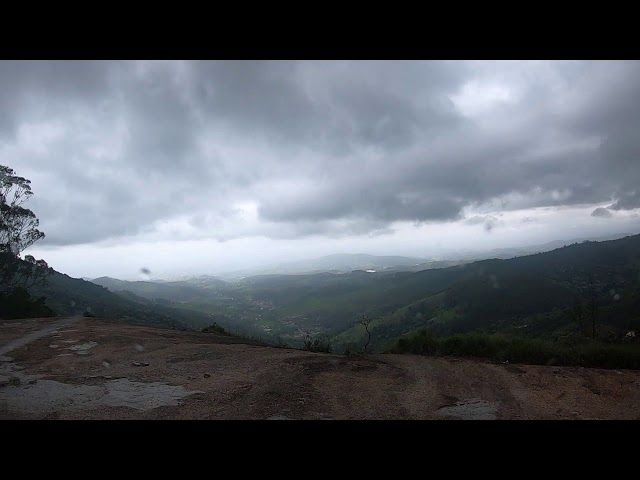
<point x="589" y="287"/>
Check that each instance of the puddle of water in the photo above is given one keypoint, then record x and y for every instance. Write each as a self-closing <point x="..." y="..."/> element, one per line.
<point x="83" y="347"/>
<point x="46" y="396"/>
<point x="142" y="396"/>
<point x="49" y="396"/>
<point x="471" y="409"/>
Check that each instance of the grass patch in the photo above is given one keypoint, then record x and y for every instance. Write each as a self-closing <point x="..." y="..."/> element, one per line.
<point x="584" y="352"/>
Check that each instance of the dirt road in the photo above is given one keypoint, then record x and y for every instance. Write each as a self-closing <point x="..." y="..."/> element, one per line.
<point x="95" y="369"/>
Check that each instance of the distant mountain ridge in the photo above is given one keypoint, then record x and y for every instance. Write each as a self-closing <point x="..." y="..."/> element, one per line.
<point x="173" y="291"/>
<point x="337" y="263"/>
<point x="510" y="252"/>
<point x="348" y="262"/>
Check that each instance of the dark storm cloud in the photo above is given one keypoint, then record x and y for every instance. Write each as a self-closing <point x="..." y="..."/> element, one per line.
<point x="331" y="148"/>
<point x="601" y="212"/>
<point x="488" y="222"/>
<point x="30" y="87"/>
<point x="332" y="106"/>
<point x="262" y="97"/>
<point x="128" y="154"/>
<point x="611" y="112"/>
<point x="628" y="201"/>
<point x="374" y="197"/>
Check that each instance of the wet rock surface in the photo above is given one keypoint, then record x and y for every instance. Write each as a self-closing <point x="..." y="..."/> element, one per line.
<point x="472" y="409"/>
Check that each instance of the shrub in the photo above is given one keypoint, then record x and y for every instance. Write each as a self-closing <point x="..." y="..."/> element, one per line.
<point x="424" y="343"/>
<point x="350" y="349"/>
<point x="474" y="345"/>
<point x="316" y="345"/>
<point x="215" y="328"/>
<point x="585" y="352"/>
<point x="19" y="304"/>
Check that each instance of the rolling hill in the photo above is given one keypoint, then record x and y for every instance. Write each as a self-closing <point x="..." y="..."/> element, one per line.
<point x="531" y="295"/>
<point x="72" y="296"/>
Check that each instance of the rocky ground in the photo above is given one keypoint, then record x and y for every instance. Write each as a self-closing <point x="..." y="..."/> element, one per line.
<point x="76" y="368"/>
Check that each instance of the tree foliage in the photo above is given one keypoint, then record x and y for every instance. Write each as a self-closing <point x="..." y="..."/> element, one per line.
<point x="18" y="225"/>
<point x="365" y="321"/>
<point x="18" y="231"/>
<point x="577" y="313"/>
<point x="20" y="304"/>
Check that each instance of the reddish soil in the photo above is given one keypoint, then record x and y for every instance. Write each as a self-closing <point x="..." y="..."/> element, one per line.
<point x="97" y="369"/>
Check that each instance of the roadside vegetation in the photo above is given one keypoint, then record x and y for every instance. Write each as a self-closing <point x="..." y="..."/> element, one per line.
<point x="572" y="350"/>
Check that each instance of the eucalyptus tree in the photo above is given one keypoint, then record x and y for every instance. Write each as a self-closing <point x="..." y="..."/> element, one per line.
<point x="18" y="231"/>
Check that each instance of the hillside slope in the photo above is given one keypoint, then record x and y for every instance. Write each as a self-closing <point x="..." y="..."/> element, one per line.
<point x="531" y="295"/>
<point x="66" y="295"/>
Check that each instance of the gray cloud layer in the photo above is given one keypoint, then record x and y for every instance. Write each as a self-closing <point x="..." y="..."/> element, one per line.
<point x="114" y="148"/>
<point x="602" y="212"/>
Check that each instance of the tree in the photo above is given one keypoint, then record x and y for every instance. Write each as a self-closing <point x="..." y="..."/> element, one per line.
<point x="366" y="320"/>
<point x="18" y="231"/>
<point x="577" y="313"/>
<point x="18" y="225"/>
<point x="593" y="305"/>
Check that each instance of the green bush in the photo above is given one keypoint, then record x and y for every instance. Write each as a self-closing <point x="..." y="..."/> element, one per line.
<point x="423" y="343"/>
<point x="215" y="328"/>
<point x="316" y="345"/>
<point x="350" y="349"/>
<point x="474" y="345"/>
<point x="20" y="304"/>
<point x="578" y="351"/>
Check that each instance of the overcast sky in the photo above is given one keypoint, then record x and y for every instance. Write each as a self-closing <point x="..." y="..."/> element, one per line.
<point x="200" y="167"/>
